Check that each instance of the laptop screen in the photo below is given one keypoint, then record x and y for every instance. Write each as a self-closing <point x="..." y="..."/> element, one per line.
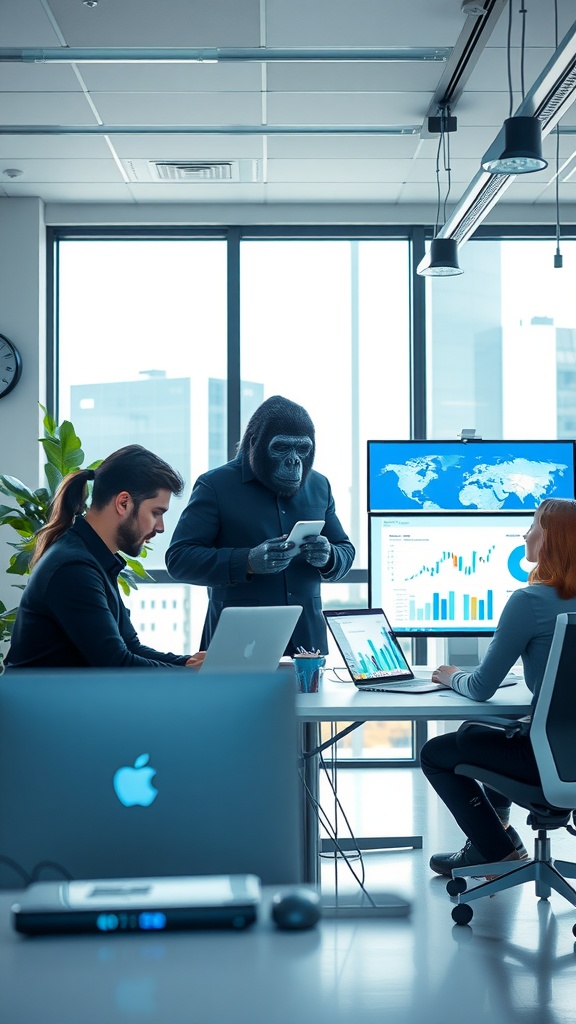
<point x="368" y="645"/>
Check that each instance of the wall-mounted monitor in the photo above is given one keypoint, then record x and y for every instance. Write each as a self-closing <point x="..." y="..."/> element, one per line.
<point x="446" y="574"/>
<point x="468" y="476"/>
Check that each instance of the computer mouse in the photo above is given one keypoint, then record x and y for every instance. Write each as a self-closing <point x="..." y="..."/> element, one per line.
<point x="296" y="908"/>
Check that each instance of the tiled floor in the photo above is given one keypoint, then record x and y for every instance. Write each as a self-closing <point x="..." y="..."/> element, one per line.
<point x="517" y="959"/>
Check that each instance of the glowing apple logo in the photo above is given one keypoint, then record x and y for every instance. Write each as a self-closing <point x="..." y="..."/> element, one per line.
<point x="133" y="785"/>
<point x="249" y="649"/>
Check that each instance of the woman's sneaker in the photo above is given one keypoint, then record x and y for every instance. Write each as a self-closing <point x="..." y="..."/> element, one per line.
<point x="469" y="856"/>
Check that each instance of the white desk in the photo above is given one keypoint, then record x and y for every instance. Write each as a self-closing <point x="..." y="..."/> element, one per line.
<point x="257" y="976"/>
<point x="342" y="702"/>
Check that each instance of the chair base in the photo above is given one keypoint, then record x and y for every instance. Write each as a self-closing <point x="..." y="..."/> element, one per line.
<point x="547" y="874"/>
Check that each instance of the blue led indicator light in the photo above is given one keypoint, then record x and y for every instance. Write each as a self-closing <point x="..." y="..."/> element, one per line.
<point x="107" y="922"/>
<point x="152" y="920"/>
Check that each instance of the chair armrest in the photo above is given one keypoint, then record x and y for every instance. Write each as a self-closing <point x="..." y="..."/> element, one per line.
<point x="509" y="726"/>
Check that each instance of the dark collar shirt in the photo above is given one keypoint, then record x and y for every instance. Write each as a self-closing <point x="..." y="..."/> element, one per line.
<point x="229" y="513"/>
<point x="71" y="613"/>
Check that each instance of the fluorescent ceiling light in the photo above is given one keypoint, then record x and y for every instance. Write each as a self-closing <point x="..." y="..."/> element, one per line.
<point x="549" y="99"/>
<point x="208" y="129"/>
<point x="214" y="55"/>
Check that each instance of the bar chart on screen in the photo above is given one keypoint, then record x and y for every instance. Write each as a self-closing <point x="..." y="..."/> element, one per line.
<point x="446" y="573"/>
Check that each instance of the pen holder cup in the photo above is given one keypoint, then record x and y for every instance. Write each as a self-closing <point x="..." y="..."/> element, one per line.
<point x="308" y="668"/>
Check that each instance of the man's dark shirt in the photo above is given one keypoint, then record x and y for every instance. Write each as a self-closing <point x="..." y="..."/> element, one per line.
<point x="229" y="513"/>
<point x="71" y="613"/>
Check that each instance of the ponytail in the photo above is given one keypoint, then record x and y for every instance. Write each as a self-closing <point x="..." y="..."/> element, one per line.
<point x="132" y="468"/>
<point x="68" y="502"/>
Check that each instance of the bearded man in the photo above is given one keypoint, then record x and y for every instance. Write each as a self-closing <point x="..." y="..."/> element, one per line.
<point x="231" y="537"/>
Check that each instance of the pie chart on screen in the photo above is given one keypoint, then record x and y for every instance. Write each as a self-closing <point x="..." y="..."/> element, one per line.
<point x="517" y="564"/>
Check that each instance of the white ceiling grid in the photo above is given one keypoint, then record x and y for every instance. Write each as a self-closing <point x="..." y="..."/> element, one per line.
<point x="352" y="170"/>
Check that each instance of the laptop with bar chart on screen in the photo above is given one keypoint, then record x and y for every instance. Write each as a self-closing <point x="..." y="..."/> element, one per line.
<point x="372" y="652"/>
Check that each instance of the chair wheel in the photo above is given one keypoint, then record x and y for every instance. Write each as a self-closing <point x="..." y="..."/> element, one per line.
<point x="455" y="886"/>
<point x="462" y="914"/>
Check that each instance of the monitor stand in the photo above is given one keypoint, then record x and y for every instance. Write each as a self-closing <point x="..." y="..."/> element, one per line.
<point x="465" y="651"/>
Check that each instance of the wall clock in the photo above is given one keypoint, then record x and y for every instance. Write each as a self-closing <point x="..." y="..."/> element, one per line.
<point x="10" y="366"/>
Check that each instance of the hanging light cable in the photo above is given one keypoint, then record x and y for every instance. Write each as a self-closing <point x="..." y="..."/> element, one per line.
<point x="442" y="259"/>
<point x="557" y="255"/>
<point x="522" y="152"/>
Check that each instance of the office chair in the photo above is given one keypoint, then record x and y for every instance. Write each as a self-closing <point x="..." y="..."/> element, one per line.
<point x="551" y="804"/>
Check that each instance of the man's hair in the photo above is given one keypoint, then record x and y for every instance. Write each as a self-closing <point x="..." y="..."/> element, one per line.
<point x="557" y="557"/>
<point x="136" y="470"/>
<point x="132" y="468"/>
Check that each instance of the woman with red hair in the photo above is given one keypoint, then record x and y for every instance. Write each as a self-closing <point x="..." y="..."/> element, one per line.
<point x="524" y="631"/>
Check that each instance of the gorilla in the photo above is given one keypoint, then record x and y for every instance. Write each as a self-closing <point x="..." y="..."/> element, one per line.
<point x="280" y="444"/>
<point x="232" y="537"/>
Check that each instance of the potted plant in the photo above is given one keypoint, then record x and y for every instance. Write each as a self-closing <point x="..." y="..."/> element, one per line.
<point x="64" y="455"/>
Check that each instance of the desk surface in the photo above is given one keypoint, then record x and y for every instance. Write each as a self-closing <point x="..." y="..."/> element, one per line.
<point x="257" y="976"/>
<point x="337" y="701"/>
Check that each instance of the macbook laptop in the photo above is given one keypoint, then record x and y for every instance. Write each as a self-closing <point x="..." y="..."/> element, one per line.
<point x="251" y="639"/>
<point x="123" y="773"/>
<point x="373" y="654"/>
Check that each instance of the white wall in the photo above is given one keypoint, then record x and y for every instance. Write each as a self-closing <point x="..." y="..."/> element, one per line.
<point x="23" y="321"/>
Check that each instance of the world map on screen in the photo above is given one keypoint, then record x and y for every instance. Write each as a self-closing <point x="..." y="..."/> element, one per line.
<point x="467" y="480"/>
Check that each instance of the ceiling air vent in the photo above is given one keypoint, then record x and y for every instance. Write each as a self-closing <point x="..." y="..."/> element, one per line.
<point x="194" y="171"/>
<point x="191" y="171"/>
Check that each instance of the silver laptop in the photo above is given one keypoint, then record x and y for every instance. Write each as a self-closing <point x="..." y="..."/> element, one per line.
<point x="123" y="773"/>
<point x="372" y="652"/>
<point x="251" y="639"/>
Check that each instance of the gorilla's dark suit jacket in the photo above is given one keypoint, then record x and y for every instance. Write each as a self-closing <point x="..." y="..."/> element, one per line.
<point x="229" y="513"/>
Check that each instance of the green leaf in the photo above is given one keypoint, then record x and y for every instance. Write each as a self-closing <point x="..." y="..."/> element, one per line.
<point x="53" y="476"/>
<point x="49" y="422"/>
<point x="7" y="620"/>
<point x="22" y="524"/>
<point x="124" y="584"/>
<point x="20" y="563"/>
<point x="7" y="513"/>
<point x="136" y="567"/>
<point x="53" y="451"/>
<point x="11" y="485"/>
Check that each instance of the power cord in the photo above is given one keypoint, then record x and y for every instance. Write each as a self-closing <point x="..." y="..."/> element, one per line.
<point x="335" y="670"/>
<point x="327" y="825"/>
<point x="36" y="874"/>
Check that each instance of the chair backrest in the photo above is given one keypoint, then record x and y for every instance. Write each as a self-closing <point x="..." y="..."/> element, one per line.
<point x="553" y="728"/>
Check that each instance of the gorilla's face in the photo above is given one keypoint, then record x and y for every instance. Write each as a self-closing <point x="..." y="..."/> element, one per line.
<point x="286" y="457"/>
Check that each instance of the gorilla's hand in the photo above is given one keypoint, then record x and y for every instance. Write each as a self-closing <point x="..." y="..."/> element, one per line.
<point x="271" y="556"/>
<point x="316" y="550"/>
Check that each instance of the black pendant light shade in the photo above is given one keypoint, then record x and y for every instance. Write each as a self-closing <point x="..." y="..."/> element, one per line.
<point x="442" y="259"/>
<point x="522" y="148"/>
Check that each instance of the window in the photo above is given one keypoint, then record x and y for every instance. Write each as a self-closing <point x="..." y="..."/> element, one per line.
<point x="509" y="325"/>
<point x="327" y="323"/>
<point x="143" y="349"/>
<point x="141" y="343"/>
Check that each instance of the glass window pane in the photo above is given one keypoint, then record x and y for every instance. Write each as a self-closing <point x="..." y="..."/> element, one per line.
<point x="326" y="324"/>
<point x="142" y="359"/>
<point x="378" y="741"/>
<point x="508" y="324"/>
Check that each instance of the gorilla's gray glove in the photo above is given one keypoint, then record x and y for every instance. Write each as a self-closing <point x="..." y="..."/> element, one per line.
<point x="316" y="550"/>
<point x="271" y="556"/>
